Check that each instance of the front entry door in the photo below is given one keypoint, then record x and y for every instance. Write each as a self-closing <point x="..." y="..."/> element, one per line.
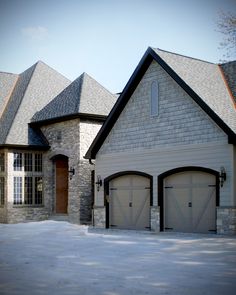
<point x="61" y="185"/>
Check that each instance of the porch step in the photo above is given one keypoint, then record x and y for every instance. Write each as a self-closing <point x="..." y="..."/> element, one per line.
<point x="59" y="217"/>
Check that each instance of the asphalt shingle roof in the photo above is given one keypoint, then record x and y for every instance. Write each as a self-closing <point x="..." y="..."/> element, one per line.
<point x="207" y="81"/>
<point x="7" y="83"/>
<point x="34" y="88"/>
<point x="83" y="95"/>
<point x="229" y="70"/>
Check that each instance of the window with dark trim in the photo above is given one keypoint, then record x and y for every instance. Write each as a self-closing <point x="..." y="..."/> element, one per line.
<point x="2" y="162"/>
<point x="17" y="190"/>
<point x="38" y="163"/>
<point x="28" y="196"/>
<point x="28" y="159"/>
<point x="2" y="191"/>
<point x="28" y="178"/>
<point x="38" y="189"/>
<point x="17" y="162"/>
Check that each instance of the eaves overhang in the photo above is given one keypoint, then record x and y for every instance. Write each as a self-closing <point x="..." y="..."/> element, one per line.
<point x="82" y="116"/>
<point x="129" y="89"/>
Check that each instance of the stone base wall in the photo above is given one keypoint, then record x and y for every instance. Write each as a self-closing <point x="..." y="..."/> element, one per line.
<point x="155" y="219"/>
<point x="24" y="214"/>
<point x="99" y="217"/>
<point x="226" y="220"/>
<point x="3" y="215"/>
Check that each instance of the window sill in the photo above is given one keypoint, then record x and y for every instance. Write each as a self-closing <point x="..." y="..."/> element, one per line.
<point x="27" y="206"/>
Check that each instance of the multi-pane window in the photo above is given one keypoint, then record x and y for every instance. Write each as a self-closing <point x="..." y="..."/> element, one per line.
<point x="17" y="162"/>
<point x="38" y="190"/>
<point x="28" y="162"/>
<point x="2" y="194"/>
<point x="28" y="190"/>
<point x="28" y="180"/>
<point x="18" y="190"/>
<point x="38" y="163"/>
<point x="2" y="162"/>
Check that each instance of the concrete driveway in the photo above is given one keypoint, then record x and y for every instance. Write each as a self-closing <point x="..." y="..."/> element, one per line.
<point x="52" y="257"/>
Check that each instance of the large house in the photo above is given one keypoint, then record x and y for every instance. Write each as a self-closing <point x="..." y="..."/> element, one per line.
<point x="166" y="155"/>
<point x="46" y="126"/>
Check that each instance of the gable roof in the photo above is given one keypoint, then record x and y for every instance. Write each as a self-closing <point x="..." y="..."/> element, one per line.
<point x="33" y="89"/>
<point x="203" y="81"/>
<point x="84" y="96"/>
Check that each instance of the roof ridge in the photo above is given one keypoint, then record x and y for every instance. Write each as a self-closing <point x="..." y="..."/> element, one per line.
<point x="182" y="55"/>
<point x="42" y="62"/>
<point x="9" y="73"/>
<point x="103" y="87"/>
<point x="81" y="77"/>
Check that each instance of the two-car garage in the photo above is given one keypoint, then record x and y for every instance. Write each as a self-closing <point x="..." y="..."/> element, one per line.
<point x="187" y="200"/>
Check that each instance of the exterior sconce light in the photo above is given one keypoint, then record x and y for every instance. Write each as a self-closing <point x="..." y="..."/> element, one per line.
<point x="98" y="182"/>
<point x="222" y="176"/>
<point x="71" y="172"/>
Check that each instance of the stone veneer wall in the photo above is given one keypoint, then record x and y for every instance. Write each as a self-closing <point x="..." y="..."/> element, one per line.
<point x="99" y="217"/>
<point x="3" y="214"/>
<point x="226" y="220"/>
<point x="72" y="139"/>
<point x="155" y="219"/>
<point x="88" y="131"/>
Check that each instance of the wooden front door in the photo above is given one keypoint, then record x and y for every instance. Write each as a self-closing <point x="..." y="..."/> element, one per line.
<point x="61" y="185"/>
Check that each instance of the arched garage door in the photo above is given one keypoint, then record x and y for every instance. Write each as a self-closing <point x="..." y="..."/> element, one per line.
<point x="190" y="202"/>
<point x="129" y="202"/>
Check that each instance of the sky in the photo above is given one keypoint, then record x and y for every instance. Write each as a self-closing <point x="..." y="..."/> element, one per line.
<point x="106" y="38"/>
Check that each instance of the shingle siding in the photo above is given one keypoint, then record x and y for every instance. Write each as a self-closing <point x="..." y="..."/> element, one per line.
<point x="180" y="120"/>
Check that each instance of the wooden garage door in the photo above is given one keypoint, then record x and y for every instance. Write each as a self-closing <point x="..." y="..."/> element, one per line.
<point x="129" y="204"/>
<point x="190" y="202"/>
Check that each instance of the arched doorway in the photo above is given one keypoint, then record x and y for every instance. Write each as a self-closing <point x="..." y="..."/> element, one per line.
<point x="188" y="198"/>
<point x="61" y="184"/>
<point x="128" y="200"/>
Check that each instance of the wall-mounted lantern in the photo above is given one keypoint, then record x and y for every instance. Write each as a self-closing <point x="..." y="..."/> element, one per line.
<point x="98" y="182"/>
<point x="222" y="176"/>
<point x="71" y="172"/>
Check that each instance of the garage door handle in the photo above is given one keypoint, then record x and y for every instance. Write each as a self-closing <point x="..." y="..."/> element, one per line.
<point x="190" y="204"/>
<point x="130" y="204"/>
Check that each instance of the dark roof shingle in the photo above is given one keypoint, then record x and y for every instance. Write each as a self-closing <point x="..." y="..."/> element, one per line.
<point x="35" y="87"/>
<point x="84" y="95"/>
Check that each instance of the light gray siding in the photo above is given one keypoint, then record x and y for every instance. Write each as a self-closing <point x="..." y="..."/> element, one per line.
<point x="157" y="161"/>
<point x="181" y="121"/>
